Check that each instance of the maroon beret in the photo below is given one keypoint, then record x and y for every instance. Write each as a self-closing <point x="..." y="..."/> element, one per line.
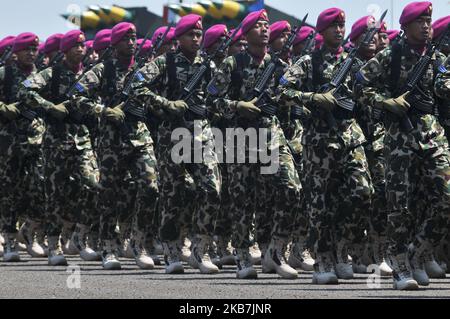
<point x="6" y="42"/>
<point x="302" y="34"/>
<point x="213" y="34"/>
<point x="146" y="48"/>
<point x="327" y="17"/>
<point x="102" y="40"/>
<point x="187" y="23"/>
<point x="71" y="39"/>
<point x="252" y="18"/>
<point x="24" y="41"/>
<point x="439" y="26"/>
<point x="360" y="26"/>
<point x="52" y="43"/>
<point x="120" y="30"/>
<point x="414" y="10"/>
<point x="277" y="29"/>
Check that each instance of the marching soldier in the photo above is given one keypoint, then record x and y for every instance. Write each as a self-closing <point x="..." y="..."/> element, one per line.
<point x="337" y="181"/>
<point x="230" y="93"/>
<point x="21" y="134"/>
<point x="372" y="125"/>
<point x="221" y="253"/>
<point x="69" y="177"/>
<point x="125" y="148"/>
<point x="416" y="153"/>
<point x="170" y="73"/>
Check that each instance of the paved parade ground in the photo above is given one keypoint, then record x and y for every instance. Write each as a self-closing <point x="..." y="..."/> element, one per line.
<point x="33" y="278"/>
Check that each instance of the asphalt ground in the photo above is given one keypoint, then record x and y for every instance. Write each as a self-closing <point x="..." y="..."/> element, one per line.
<point x="33" y="278"/>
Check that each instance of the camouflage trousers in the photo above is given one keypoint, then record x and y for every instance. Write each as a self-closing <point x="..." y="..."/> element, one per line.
<point x="89" y="215"/>
<point x="70" y="183"/>
<point x="224" y="219"/>
<point x="122" y="166"/>
<point x="268" y="196"/>
<point x="378" y="215"/>
<point x="300" y="226"/>
<point x="190" y="190"/>
<point x="21" y="171"/>
<point x="22" y="186"/>
<point x="418" y="189"/>
<point x="337" y="191"/>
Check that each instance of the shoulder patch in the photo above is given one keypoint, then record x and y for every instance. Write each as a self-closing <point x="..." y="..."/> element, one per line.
<point x="26" y="83"/>
<point x="442" y="69"/>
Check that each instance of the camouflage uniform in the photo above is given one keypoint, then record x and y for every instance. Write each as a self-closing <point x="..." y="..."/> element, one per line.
<point x="337" y="180"/>
<point x="123" y="150"/>
<point x="176" y="178"/>
<point x="441" y="87"/>
<point x="250" y="190"/>
<point x="21" y="180"/>
<point x="70" y="178"/>
<point x="418" y="161"/>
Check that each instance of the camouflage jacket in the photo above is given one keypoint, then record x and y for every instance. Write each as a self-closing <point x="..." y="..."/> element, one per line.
<point x="442" y="84"/>
<point x="375" y="79"/>
<point x="225" y="92"/>
<point x="299" y="79"/>
<point x="21" y="131"/>
<point x="97" y="91"/>
<point x="161" y="82"/>
<point x="39" y="92"/>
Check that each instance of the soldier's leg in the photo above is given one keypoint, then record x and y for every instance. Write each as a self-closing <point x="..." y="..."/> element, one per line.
<point x="377" y="248"/>
<point x="207" y="204"/>
<point x="112" y="174"/>
<point x="86" y="171"/>
<point x="172" y="202"/>
<point x="401" y="176"/>
<point x="243" y="194"/>
<point x="145" y="174"/>
<point x="436" y="212"/>
<point x="10" y="179"/>
<point x="223" y="229"/>
<point x="354" y="200"/>
<point x="33" y="203"/>
<point x="286" y="192"/>
<point x="317" y="165"/>
<point x="57" y="191"/>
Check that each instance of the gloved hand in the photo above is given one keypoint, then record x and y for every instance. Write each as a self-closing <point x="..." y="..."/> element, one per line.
<point x="10" y="112"/>
<point x="399" y="106"/>
<point x="177" y="108"/>
<point x="115" y="114"/>
<point x="248" y="109"/>
<point x="59" y="111"/>
<point x="325" y="101"/>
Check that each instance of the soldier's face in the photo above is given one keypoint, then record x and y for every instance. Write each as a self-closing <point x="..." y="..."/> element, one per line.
<point x="259" y="35"/>
<point x="76" y="54"/>
<point x="334" y="34"/>
<point x="127" y="46"/>
<point x="215" y="46"/>
<point x="237" y="47"/>
<point x="190" y="41"/>
<point x="27" y="57"/>
<point x="279" y="42"/>
<point x="419" y="30"/>
<point x="298" y="48"/>
<point x="383" y="41"/>
<point x="369" y="51"/>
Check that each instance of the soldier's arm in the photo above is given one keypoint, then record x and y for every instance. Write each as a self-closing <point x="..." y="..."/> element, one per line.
<point x="85" y="100"/>
<point x="144" y="88"/>
<point x="217" y="90"/>
<point x="442" y="84"/>
<point x="371" y="82"/>
<point x="293" y="82"/>
<point x="30" y="90"/>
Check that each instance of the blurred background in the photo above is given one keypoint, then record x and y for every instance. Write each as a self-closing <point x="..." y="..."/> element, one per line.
<point x="46" y="17"/>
